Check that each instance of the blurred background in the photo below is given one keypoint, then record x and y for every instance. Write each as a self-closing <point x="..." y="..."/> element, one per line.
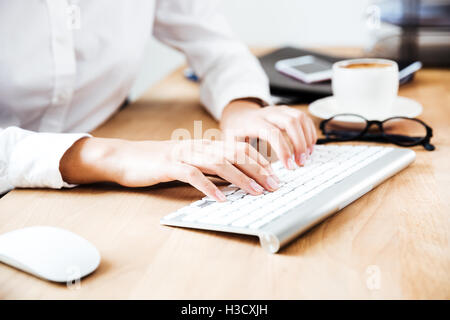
<point x="272" y="23"/>
<point x="383" y="28"/>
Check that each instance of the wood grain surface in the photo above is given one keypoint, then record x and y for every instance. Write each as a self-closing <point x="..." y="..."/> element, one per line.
<point x="391" y="243"/>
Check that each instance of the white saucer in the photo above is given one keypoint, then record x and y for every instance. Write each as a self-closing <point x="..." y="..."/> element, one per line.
<point x="327" y="107"/>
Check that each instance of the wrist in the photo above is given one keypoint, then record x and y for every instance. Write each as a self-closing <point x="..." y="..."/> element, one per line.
<point x="240" y="106"/>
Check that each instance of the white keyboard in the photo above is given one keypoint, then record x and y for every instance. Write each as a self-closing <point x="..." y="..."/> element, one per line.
<point x="248" y="214"/>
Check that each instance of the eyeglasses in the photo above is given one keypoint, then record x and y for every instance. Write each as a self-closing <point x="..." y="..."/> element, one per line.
<point x="402" y="131"/>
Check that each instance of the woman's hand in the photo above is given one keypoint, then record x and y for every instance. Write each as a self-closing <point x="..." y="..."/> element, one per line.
<point x="281" y="126"/>
<point x="145" y="163"/>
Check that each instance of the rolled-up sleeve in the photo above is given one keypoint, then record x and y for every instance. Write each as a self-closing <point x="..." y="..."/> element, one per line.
<point x="226" y="67"/>
<point x="31" y="160"/>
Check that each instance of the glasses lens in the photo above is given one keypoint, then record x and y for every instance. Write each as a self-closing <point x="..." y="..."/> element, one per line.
<point x="344" y="127"/>
<point x="404" y="131"/>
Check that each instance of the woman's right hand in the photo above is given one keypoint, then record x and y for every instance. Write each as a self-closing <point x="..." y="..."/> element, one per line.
<point x="145" y="163"/>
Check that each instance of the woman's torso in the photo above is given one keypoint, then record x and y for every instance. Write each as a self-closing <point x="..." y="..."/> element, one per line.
<point x="63" y="74"/>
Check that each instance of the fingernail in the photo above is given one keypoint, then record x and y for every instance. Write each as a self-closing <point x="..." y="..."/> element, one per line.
<point x="256" y="187"/>
<point x="297" y="159"/>
<point x="290" y="164"/>
<point x="272" y="183"/>
<point x="220" y="196"/>
<point x="303" y="159"/>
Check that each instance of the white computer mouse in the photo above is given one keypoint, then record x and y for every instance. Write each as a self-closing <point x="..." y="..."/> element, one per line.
<point x="50" y="253"/>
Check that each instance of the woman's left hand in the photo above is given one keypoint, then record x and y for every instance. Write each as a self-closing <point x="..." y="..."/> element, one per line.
<point x="280" y="126"/>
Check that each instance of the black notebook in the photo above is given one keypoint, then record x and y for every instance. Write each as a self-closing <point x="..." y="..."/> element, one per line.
<point x="295" y="91"/>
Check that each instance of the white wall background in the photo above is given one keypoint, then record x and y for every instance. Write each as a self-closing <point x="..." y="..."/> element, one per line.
<point x="273" y="23"/>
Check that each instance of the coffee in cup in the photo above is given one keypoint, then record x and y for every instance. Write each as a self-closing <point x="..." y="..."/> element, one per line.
<point x="367" y="87"/>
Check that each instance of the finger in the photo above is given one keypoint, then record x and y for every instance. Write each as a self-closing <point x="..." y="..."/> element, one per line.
<point x="291" y="124"/>
<point x="308" y="133"/>
<point x="304" y="121"/>
<point x="197" y="179"/>
<point x="218" y="165"/>
<point x="257" y="172"/>
<point x="251" y="152"/>
<point x="313" y="133"/>
<point x="231" y="173"/>
<point x="277" y="141"/>
<point x="243" y="142"/>
<point x="314" y="130"/>
<point x="239" y="157"/>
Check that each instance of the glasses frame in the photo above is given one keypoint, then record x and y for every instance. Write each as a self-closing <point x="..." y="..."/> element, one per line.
<point x="383" y="137"/>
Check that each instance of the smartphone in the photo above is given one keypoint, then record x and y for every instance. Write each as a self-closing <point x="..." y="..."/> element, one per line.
<point x="308" y="69"/>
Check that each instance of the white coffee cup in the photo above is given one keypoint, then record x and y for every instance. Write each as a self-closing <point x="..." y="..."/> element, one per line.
<point x="367" y="87"/>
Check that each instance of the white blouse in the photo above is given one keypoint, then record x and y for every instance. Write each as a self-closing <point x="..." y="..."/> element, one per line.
<point x="66" y="66"/>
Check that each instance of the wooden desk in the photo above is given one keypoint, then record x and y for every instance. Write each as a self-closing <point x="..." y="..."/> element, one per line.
<point x="399" y="231"/>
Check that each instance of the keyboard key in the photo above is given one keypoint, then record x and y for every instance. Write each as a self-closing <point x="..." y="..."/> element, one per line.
<point x="246" y="220"/>
<point x="229" y="190"/>
<point x="198" y="203"/>
<point x="237" y="195"/>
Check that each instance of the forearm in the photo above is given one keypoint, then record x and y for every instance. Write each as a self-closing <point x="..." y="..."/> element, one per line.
<point x="145" y="163"/>
<point x="90" y="160"/>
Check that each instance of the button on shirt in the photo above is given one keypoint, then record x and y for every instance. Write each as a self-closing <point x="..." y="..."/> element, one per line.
<point x="66" y="66"/>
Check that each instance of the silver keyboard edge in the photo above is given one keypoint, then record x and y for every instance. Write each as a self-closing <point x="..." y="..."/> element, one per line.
<point x="299" y="219"/>
<point x="209" y="227"/>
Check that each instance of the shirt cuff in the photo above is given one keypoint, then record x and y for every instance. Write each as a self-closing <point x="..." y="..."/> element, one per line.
<point x="34" y="162"/>
<point x="235" y="92"/>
